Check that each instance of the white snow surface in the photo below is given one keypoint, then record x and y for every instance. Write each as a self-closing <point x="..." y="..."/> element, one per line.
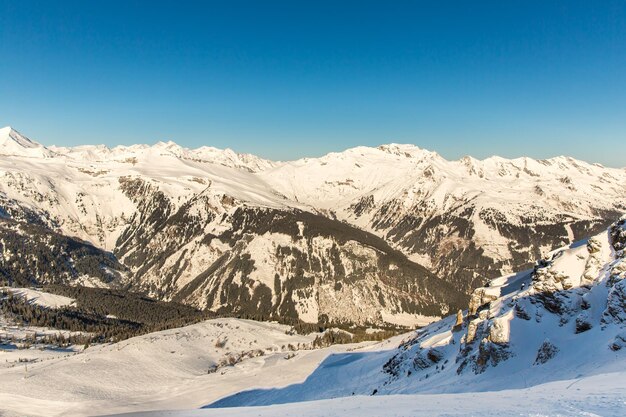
<point x="599" y="395"/>
<point x="163" y="370"/>
<point x="41" y="298"/>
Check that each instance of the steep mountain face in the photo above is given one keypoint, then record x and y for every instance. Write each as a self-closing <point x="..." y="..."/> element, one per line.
<point x="273" y="263"/>
<point x="338" y="238"/>
<point x="466" y="220"/>
<point x="564" y="319"/>
<point x="33" y="254"/>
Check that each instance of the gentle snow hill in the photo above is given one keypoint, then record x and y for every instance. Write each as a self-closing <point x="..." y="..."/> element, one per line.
<point x="173" y="369"/>
<point x="564" y="320"/>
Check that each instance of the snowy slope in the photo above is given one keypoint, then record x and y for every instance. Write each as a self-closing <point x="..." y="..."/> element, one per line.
<point x="41" y="298"/>
<point x="565" y="320"/>
<point x="600" y="395"/>
<point x="163" y="370"/>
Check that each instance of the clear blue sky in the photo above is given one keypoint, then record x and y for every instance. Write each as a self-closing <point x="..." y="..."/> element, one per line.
<point x="294" y="78"/>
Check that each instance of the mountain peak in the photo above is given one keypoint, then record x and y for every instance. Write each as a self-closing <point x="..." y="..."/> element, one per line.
<point x="13" y="143"/>
<point x="166" y="144"/>
<point x="8" y="134"/>
<point x="405" y="149"/>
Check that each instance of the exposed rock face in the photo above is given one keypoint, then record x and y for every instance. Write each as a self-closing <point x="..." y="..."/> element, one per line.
<point x="481" y="297"/>
<point x="546" y="352"/>
<point x="565" y="296"/>
<point x="583" y="322"/>
<point x="459" y="319"/>
<point x="499" y="330"/>
<point x="618" y="235"/>
<point x="489" y="354"/>
<point x="616" y="304"/>
<point x="619" y="342"/>
<point x="289" y="264"/>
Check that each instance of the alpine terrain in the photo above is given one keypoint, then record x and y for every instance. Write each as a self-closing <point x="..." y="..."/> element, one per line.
<point x="546" y="341"/>
<point x="387" y="236"/>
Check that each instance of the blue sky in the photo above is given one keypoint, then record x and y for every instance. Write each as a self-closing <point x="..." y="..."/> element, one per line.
<point x="291" y="79"/>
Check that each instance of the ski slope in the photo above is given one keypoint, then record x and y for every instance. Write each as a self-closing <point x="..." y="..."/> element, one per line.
<point x="163" y="370"/>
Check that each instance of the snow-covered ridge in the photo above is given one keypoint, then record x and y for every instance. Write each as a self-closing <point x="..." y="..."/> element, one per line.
<point x="226" y="157"/>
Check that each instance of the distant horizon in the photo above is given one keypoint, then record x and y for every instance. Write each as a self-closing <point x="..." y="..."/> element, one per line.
<point x="156" y="142"/>
<point x="286" y="80"/>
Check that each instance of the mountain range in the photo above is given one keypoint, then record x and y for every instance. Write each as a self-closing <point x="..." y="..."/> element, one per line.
<point x="392" y="235"/>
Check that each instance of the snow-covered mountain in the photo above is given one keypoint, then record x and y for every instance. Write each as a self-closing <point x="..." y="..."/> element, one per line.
<point x="12" y="143"/>
<point x="333" y="238"/>
<point x="466" y="220"/>
<point x="565" y="319"/>
<point x="216" y="235"/>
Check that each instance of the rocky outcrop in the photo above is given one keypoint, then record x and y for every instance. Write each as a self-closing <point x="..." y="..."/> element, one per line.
<point x="565" y="297"/>
<point x="546" y="351"/>
<point x="616" y="304"/>
<point x="480" y="298"/>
